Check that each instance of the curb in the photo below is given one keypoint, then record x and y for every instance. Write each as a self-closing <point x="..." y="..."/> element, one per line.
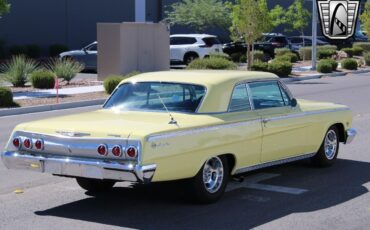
<point x="305" y="78"/>
<point x="44" y="108"/>
<point x="360" y="71"/>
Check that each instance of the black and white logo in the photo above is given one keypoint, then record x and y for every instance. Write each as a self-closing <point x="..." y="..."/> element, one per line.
<point x="338" y="17"/>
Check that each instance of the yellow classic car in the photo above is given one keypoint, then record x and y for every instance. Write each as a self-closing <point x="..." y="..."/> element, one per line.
<point x="202" y="126"/>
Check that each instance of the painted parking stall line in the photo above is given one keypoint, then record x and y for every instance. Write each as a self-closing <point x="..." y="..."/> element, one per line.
<point x="253" y="182"/>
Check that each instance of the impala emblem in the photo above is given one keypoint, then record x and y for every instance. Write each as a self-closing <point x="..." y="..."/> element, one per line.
<point x="72" y="134"/>
<point x="338" y="17"/>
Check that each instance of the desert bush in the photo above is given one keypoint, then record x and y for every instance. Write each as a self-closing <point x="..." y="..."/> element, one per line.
<point x="220" y="55"/>
<point x="260" y="66"/>
<point x="367" y="58"/>
<point x="333" y="63"/>
<point x="66" y="68"/>
<point x="280" y="68"/>
<point x="348" y="51"/>
<point x="305" y="53"/>
<point x="290" y="57"/>
<point x="349" y="63"/>
<point x="258" y="55"/>
<point x="6" y="97"/>
<point x="281" y="51"/>
<point x="364" y="45"/>
<point x="17" y="70"/>
<point x="43" y="79"/>
<point x="357" y="51"/>
<point x="211" y="63"/>
<point x="324" y="66"/>
<point x="111" y="82"/>
<point x="56" y="49"/>
<point x="325" y="53"/>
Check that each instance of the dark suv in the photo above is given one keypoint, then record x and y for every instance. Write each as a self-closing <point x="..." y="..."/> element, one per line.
<point x="268" y="43"/>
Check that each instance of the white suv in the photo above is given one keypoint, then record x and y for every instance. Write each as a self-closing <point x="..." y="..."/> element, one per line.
<point x="187" y="47"/>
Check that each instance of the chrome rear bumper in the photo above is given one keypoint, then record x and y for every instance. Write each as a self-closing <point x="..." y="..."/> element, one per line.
<point x="350" y="135"/>
<point x="80" y="167"/>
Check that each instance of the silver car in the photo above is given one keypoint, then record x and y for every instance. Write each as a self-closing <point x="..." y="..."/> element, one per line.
<point x="87" y="56"/>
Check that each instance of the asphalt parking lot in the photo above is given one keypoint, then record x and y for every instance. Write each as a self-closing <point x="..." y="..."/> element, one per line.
<point x="293" y="196"/>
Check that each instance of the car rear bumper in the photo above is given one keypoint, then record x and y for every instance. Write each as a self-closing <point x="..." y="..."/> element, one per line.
<point x="80" y="167"/>
<point x="350" y="135"/>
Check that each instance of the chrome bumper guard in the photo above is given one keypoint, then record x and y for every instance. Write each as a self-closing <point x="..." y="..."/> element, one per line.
<point x="80" y="167"/>
<point x="350" y="135"/>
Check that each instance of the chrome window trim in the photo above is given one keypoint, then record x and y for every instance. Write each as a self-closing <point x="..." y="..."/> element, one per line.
<point x="231" y="98"/>
<point x="272" y="163"/>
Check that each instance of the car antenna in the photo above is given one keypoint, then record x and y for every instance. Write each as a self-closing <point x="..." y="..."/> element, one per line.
<point x="172" y="121"/>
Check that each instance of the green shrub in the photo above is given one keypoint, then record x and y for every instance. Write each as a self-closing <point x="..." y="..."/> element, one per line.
<point x="280" y="68"/>
<point x="348" y="51"/>
<point x="324" y="66"/>
<point x="281" y="51"/>
<point x="65" y="68"/>
<point x="367" y="58"/>
<point x="33" y="51"/>
<point x="364" y="45"/>
<point x="235" y="57"/>
<point x="17" y="50"/>
<point x="290" y="57"/>
<point x="328" y="47"/>
<point x="220" y="55"/>
<point x="260" y="66"/>
<point x="56" y="49"/>
<point x="258" y="55"/>
<point x="357" y="51"/>
<point x="325" y="53"/>
<point x="349" y="63"/>
<point x="332" y="62"/>
<point x="243" y="59"/>
<point x="111" y="82"/>
<point x="211" y="63"/>
<point x="17" y="70"/>
<point x="6" y="97"/>
<point x="43" y="79"/>
<point x="305" y="53"/>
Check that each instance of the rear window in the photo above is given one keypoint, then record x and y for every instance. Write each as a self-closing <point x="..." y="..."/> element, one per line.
<point x="155" y="96"/>
<point x="182" y="41"/>
<point x="210" y="41"/>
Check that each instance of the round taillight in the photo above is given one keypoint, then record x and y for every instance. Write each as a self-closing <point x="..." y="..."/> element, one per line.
<point x="17" y="142"/>
<point x="39" y="144"/>
<point x="103" y="149"/>
<point x="117" y="151"/>
<point x="131" y="152"/>
<point x="27" y="143"/>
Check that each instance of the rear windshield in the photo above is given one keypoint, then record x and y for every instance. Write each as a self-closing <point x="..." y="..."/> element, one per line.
<point x="210" y="41"/>
<point x="155" y="96"/>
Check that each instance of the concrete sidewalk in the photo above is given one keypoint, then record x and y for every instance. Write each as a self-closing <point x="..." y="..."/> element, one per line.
<point x="52" y="92"/>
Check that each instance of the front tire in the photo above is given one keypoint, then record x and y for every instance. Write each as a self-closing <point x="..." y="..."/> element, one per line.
<point x="208" y="186"/>
<point x="95" y="185"/>
<point x="328" y="152"/>
<point x="189" y="57"/>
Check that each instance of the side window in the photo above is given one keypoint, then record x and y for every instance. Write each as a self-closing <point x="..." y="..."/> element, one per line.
<point x="267" y="95"/>
<point x="285" y="96"/>
<point x="239" y="99"/>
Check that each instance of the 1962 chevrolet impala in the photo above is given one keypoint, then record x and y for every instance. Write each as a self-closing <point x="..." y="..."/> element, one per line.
<point x="204" y="126"/>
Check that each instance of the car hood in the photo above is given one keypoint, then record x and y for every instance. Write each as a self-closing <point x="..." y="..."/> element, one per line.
<point x="110" y="123"/>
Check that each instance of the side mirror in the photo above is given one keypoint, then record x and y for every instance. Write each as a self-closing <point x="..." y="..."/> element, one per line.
<point x="293" y="102"/>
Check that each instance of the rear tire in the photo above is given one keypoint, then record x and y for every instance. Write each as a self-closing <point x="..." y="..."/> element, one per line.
<point x="329" y="148"/>
<point x="208" y="186"/>
<point x="189" y="57"/>
<point x="95" y="185"/>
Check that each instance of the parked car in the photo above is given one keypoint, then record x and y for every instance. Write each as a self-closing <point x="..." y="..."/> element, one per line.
<point x="185" y="48"/>
<point x="87" y="55"/>
<point x="267" y="43"/>
<point x="297" y="42"/>
<point x="204" y="126"/>
<point x="359" y="36"/>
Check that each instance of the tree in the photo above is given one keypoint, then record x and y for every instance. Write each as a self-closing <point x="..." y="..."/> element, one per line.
<point x="365" y="18"/>
<point x="297" y="17"/>
<point x="199" y="14"/>
<point x="4" y="7"/>
<point x="250" y="18"/>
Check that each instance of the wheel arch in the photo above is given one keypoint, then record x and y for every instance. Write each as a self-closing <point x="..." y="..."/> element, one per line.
<point x="191" y="53"/>
<point x="341" y="131"/>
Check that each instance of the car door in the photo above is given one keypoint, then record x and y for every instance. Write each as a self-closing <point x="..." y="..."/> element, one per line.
<point x="284" y="133"/>
<point x="91" y="56"/>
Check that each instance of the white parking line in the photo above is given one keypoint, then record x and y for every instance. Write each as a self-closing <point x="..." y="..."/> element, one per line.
<point x="252" y="182"/>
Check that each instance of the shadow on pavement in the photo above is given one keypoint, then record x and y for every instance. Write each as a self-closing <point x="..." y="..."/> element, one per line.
<point x="163" y="206"/>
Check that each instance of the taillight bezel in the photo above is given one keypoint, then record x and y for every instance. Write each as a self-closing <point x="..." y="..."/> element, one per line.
<point x="106" y="149"/>
<point x="136" y="152"/>
<point x="120" y="150"/>
<point x="27" y="143"/>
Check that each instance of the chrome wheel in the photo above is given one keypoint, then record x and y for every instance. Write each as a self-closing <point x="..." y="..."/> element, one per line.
<point x="331" y="144"/>
<point x="213" y="174"/>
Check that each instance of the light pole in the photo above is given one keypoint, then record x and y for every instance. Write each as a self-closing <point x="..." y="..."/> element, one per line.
<point x="314" y="34"/>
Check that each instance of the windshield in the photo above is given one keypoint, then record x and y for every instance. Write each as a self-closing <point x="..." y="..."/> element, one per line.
<point x="147" y="96"/>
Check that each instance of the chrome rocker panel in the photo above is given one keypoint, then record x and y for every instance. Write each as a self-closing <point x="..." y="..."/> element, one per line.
<point x="80" y="167"/>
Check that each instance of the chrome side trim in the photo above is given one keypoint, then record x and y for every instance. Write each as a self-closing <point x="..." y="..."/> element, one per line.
<point x="272" y="163"/>
<point x="350" y="135"/>
<point x="193" y="131"/>
<point x="297" y="115"/>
